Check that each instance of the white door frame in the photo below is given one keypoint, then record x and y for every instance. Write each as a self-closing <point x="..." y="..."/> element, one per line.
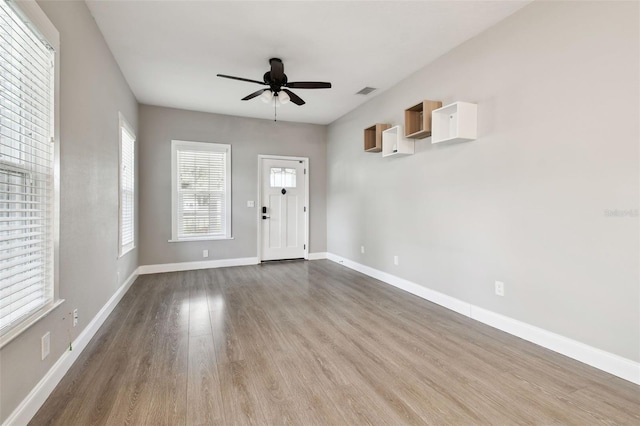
<point x="305" y="162"/>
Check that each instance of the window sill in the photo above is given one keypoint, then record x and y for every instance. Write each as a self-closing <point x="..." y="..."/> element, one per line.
<point x="125" y="251"/>
<point x="23" y="326"/>
<point x="184" y="240"/>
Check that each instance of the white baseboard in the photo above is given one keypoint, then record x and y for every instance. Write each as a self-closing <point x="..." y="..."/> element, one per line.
<point x="207" y="264"/>
<point x="602" y="360"/>
<point x="29" y="406"/>
<point x="441" y="299"/>
<point x="318" y="256"/>
<point x="203" y="264"/>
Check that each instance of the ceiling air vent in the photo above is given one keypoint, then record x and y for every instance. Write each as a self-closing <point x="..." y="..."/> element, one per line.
<point x="366" y="91"/>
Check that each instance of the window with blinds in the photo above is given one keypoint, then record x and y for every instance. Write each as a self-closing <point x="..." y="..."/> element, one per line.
<point x="26" y="169"/>
<point x="201" y="190"/>
<point x="127" y="187"/>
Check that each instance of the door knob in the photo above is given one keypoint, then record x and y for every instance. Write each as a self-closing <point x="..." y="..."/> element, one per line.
<point x="265" y="217"/>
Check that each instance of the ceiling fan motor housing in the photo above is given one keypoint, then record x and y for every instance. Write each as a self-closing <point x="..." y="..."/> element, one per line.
<point x="274" y="84"/>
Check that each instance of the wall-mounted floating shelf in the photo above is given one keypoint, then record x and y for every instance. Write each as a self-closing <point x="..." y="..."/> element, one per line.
<point x="394" y="142"/>
<point x="373" y="137"/>
<point x="417" y="119"/>
<point x="457" y="122"/>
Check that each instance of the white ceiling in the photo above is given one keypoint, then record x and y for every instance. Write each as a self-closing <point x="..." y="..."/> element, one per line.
<point x="171" y="51"/>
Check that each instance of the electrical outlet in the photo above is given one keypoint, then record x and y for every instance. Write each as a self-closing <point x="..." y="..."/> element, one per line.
<point x="499" y="288"/>
<point x="45" y="346"/>
<point x="395" y="260"/>
<point x="205" y="253"/>
<point x="251" y="204"/>
<point x="75" y="317"/>
<point x="361" y="249"/>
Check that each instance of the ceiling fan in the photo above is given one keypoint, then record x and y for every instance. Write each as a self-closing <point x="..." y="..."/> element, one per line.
<point x="279" y="85"/>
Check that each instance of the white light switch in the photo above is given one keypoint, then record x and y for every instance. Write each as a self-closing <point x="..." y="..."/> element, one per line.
<point x="251" y="204"/>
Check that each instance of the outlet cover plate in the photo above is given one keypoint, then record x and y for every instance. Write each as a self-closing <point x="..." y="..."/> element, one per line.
<point x="499" y="288"/>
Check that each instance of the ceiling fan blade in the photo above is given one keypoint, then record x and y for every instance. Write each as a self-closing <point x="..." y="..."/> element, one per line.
<point x="308" y="85"/>
<point x="254" y="94"/>
<point x="277" y="69"/>
<point x="294" y="98"/>
<point x="241" y="79"/>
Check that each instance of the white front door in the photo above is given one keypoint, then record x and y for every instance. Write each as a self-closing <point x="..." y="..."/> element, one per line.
<point x="283" y="210"/>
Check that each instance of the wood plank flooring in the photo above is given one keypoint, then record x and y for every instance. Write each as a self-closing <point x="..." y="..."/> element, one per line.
<point x="308" y="343"/>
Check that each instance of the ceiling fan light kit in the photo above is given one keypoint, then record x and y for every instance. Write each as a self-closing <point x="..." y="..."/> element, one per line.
<point x="275" y="99"/>
<point x="266" y="97"/>
<point x="278" y="92"/>
<point x="283" y="97"/>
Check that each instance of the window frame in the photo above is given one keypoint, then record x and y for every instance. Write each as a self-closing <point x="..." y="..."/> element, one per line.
<point x="42" y="27"/>
<point x="176" y="145"/>
<point x="123" y="125"/>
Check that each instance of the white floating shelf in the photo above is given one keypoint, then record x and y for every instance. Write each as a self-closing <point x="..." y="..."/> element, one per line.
<point x="456" y="122"/>
<point x="394" y="142"/>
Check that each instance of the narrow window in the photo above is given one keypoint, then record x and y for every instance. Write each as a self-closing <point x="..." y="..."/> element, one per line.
<point x="127" y="187"/>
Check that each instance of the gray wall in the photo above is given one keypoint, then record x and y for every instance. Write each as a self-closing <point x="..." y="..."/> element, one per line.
<point x="557" y="91"/>
<point x="93" y="90"/>
<point x="248" y="138"/>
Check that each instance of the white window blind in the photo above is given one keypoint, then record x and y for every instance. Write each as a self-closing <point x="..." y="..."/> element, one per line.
<point x="201" y="190"/>
<point x="127" y="187"/>
<point x="26" y="169"/>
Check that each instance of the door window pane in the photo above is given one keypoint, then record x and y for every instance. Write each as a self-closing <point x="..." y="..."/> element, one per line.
<point x="281" y="177"/>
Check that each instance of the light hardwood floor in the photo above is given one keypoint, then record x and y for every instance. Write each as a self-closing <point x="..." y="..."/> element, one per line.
<point x="315" y="343"/>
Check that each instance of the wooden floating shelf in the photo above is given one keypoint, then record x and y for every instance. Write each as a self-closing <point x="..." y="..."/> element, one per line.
<point x="457" y="122"/>
<point x="417" y="119"/>
<point x="373" y="137"/>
